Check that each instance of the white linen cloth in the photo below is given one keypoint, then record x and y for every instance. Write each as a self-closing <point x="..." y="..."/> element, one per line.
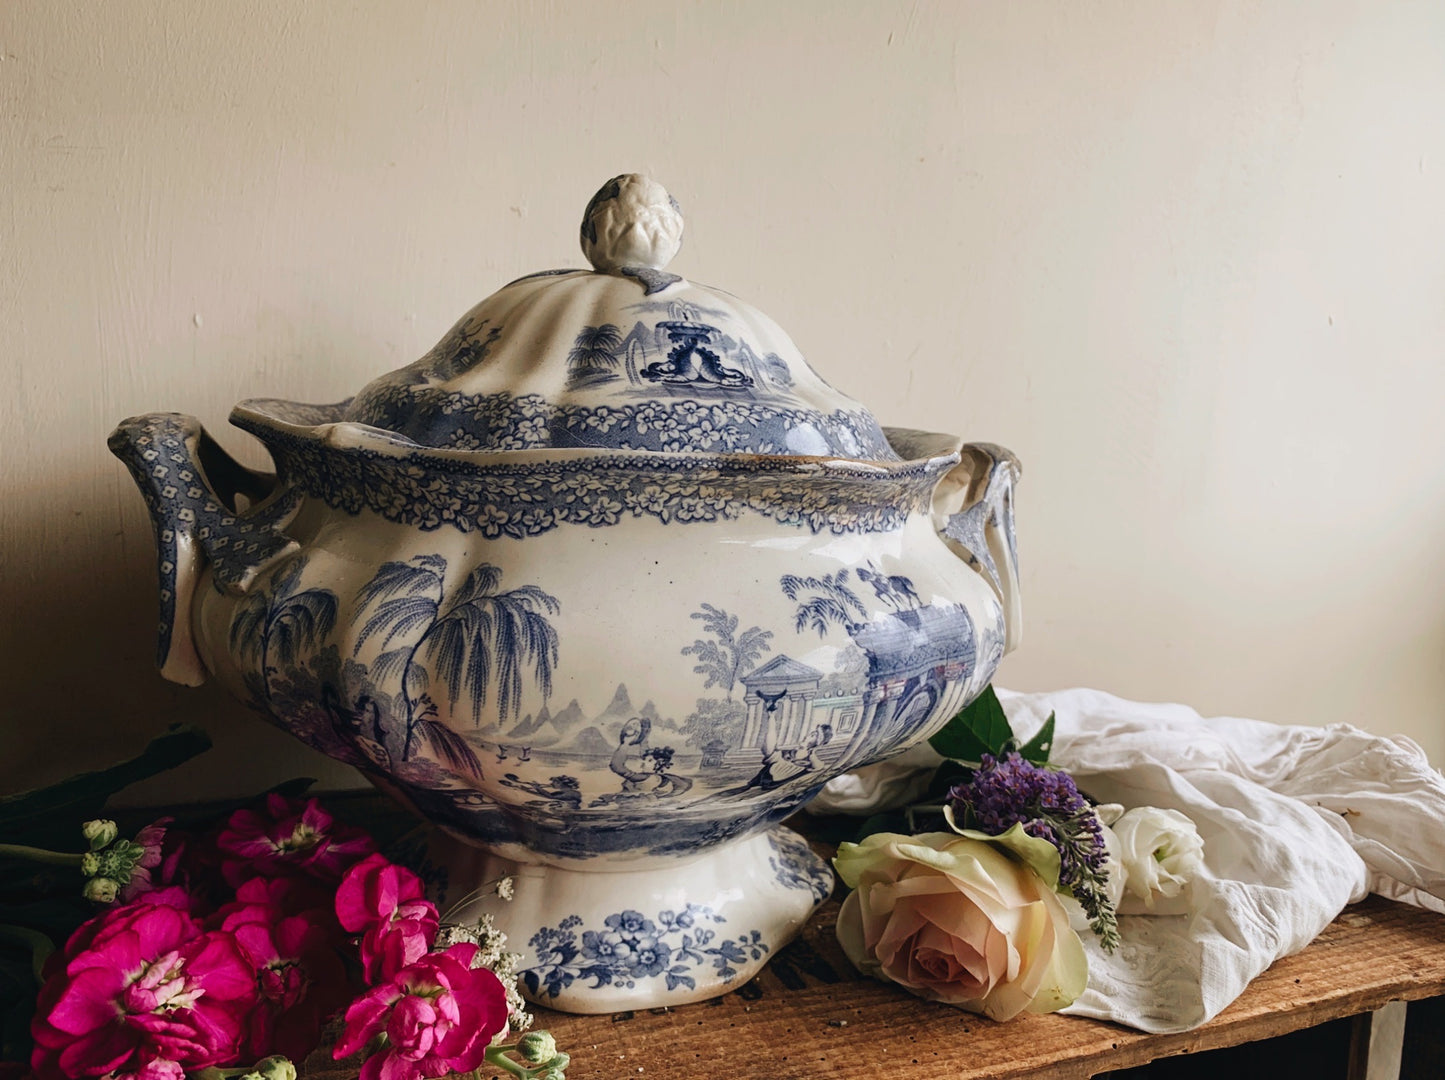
<point x="1297" y="822"/>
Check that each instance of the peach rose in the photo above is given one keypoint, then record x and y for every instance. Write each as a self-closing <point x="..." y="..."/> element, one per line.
<point x="961" y="920"/>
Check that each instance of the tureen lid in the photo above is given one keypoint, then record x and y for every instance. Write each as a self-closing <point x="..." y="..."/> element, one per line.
<point x="625" y="356"/>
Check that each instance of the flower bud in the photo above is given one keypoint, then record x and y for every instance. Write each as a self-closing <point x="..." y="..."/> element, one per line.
<point x="119" y="860"/>
<point x="536" y="1047"/>
<point x="276" y="1067"/>
<point x="100" y="890"/>
<point x="99" y="833"/>
<point x="90" y="864"/>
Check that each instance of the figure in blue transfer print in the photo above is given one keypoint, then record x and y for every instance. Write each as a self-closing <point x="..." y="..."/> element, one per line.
<point x="559" y="790"/>
<point x="660" y="758"/>
<point x="632" y="746"/>
<point x="783" y="764"/>
<point x="691" y="361"/>
<point x="643" y="768"/>
<point x="895" y="590"/>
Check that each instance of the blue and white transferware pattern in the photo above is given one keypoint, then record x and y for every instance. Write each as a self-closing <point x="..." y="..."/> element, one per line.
<point x="610" y="580"/>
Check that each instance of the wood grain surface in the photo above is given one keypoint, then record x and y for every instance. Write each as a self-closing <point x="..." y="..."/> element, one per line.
<point x="809" y="1015"/>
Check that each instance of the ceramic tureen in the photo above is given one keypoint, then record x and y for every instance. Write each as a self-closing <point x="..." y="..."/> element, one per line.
<point x="604" y="586"/>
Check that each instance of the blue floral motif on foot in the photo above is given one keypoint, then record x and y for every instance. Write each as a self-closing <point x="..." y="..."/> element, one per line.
<point x="631" y="948"/>
<point x="796" y="867"/>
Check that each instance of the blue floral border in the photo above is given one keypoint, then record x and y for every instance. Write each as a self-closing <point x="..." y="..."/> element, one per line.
<point x="530" y="498"/>
<point x="442" y="419"/>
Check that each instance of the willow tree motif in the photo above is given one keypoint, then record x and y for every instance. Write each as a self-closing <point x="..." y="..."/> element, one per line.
<point x="726" y="656"/>
<point x="823" y="602"/>
<point x="477" y="640"/>
<point x="279" y="626"/>
<point x="595" y="351"/>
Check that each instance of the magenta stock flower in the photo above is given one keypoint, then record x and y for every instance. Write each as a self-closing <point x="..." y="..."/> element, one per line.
<point x="154" y="1069"/>
<point x="269" y="900"/>
<point x="376" y="890"/>
<point x="385" y="904"/>
<point x="439" y="1014"/>
<point x="112" y="921"/>
<point x="300" y="982"/>
<point x="147" y="873"/>
<point x="290" y="836"/>
<point x="149" y="986"/>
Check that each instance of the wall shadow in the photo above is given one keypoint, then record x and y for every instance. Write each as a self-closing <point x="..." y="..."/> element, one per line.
<point x="77" y="636"/>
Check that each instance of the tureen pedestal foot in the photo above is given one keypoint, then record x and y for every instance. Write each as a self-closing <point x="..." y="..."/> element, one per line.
<point x="671" y="932"/>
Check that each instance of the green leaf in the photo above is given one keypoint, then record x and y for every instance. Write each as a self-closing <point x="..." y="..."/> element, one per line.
<point x="980" y="728"/>
<point x="944" y="777"/>
<point x="201" y="817"/>
<point x="890" y="821"/>
<point x="34" y="816"/>
<point x="1037" y="749"/>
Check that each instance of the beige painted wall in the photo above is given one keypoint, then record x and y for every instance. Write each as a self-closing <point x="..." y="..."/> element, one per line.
<point x="1186" y="259"/>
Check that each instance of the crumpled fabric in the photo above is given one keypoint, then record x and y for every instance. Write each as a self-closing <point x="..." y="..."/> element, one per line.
<point x="1297" y="822"/>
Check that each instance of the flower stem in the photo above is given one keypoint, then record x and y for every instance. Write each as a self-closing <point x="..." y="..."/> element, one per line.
<point x="486" y="888"/>
<point x="40" y="946"/>
<point x="40" y="855"/>
<point x="497" y="1055"/>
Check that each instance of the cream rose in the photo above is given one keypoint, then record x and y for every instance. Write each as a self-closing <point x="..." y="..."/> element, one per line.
<point x="955" y="919"/>
<point x="1162" y="852"/>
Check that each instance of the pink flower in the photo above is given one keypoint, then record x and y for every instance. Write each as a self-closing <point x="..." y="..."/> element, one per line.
<point x="300" y="983"/>
<point x="155" y="1069"/>
<point x="290" y="836"/>
<point x="152" y="1069"/>
<point x="385" y="904"/>
<point x="439" y="1015"/>
<point x="269" y="900"/>
<point x="149" y="985"/>
<point x="112" y="920"/>
<point x="148" y="873"/>
<point x="375" y="890"/>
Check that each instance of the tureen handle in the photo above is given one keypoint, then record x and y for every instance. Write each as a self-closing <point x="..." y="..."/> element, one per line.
<point x="981" y="526"/>
<point x="190" y="485"/>
<point x="973" y="511"/>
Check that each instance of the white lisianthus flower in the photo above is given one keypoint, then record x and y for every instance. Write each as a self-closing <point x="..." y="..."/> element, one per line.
<point x="1162" y="852"/>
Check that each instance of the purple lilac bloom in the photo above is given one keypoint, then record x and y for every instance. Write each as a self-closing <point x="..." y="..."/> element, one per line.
<point x="1008" y="791"/>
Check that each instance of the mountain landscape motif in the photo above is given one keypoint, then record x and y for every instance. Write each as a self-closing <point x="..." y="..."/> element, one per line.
<point x="572" y="730"/>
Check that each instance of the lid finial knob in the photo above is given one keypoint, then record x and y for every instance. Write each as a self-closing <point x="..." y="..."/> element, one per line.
<point x="631" y="222"/>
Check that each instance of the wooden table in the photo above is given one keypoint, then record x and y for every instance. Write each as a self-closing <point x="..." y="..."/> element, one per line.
<point x="809" y="1015"/>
